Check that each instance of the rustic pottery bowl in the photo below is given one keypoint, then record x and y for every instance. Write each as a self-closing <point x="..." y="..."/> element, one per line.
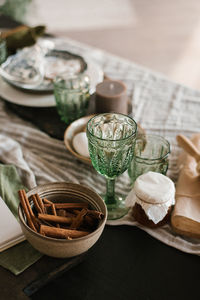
<point x="64" y="192"/>
<point x="74" y="128"/>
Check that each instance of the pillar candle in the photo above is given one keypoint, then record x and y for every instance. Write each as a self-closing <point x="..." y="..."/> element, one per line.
<point x="111" y="97"/>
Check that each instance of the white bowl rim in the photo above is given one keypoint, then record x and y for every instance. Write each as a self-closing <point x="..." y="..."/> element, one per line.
<point x="80" y="157"/>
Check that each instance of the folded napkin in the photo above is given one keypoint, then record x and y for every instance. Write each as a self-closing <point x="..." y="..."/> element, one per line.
<point x="21" y="256"/>
<point x="10" y="183"/>
<point x="186" y="214"/>
<point x="22" y="36"/>
<point x="11" y="153"/>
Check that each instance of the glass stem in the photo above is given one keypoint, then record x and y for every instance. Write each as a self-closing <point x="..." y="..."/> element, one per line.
<point x="110" y="191"/>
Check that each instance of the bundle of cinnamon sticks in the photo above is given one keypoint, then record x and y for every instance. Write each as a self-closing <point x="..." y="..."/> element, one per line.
<point x="59" y="220"/>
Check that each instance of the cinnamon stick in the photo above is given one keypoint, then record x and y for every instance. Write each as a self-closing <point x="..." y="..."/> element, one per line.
<point x="56" y="219"/>
<point x="67" y="205"/>
<point x="76" y="215"/>
<point x="47" y="201"/>
<point x="33" y="218"/>
<point x="96" y="214"/>
<point x="61" y="233"/>
<point x="93" y="213"/>
<point x="27" y="208"/>
<point x="91" y="222"/>
<point x="27" y="203"/>
<point x="54" y="213"/>
<point x="41" y="204"/>
<point x="36" y="204"/>
<point x="77" y="221"/>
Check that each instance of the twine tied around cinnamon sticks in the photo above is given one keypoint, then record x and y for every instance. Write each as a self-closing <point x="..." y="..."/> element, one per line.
<point x="59" y="220"/>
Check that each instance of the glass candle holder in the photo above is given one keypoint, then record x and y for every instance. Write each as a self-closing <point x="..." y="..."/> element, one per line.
<point x="150" y="154"/>
<point x="72" y="96"/>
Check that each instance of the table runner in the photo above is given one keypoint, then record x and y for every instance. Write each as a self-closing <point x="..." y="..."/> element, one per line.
<point x="159" y="105"/>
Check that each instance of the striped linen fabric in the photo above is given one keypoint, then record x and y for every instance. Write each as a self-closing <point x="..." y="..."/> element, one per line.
<point x="159" y="105"/>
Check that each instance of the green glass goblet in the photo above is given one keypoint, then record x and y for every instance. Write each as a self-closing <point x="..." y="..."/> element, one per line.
<point x="111" y="139"/>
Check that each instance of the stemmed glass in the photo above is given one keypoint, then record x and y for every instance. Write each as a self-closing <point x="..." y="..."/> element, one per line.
<point x="111" y="139"/>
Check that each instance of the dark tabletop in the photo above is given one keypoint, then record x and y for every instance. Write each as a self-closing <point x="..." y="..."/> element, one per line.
<point x="126" y="263"/>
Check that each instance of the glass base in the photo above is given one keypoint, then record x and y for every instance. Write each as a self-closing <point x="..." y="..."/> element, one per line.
<point x="116" y="210"/>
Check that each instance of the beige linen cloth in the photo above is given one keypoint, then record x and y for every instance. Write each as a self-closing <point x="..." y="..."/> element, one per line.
<point x="159" y="106"/>
<point x="186" y="214"/>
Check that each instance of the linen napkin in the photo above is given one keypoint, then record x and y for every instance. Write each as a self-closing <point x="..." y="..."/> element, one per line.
<point x="186" y="214"/>
<point x="10" y="183"/>
<point x="21" y="256"/>
<point x="11" y="153"/>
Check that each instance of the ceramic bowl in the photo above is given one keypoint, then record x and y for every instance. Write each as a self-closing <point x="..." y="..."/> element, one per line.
<point x="74" y="128"/>
<point x="80" y="126"/>
<point x="64" y="192"/>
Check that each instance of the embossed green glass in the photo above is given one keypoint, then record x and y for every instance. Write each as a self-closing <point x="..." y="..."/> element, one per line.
<point x="150" y="154"/>
<point x="111" y="139"/>
<point x="72" y="96"/>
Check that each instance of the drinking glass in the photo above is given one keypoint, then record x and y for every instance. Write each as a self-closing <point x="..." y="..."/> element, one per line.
<point x="150" y="154"/>
<point x="72" y="95"/>
<point x="111" y="138"/>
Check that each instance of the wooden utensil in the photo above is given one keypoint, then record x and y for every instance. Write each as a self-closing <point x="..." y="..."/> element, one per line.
<point x="190" y="148"/>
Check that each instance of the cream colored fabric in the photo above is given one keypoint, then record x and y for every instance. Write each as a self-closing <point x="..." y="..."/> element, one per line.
<point x="154" y="188"/>
<point x="160" y="106"/>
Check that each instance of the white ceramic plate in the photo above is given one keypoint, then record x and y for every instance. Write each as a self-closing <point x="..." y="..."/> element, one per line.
<point x="55" y="61"/>
<point x="17" y="96"/>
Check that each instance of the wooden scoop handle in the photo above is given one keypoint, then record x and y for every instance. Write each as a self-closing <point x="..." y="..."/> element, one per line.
<point x="188" y="146"/>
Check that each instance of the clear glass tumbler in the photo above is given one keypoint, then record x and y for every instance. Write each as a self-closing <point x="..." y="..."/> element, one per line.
<point x="150" y="154"/>
<point x="72" y="96"/>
